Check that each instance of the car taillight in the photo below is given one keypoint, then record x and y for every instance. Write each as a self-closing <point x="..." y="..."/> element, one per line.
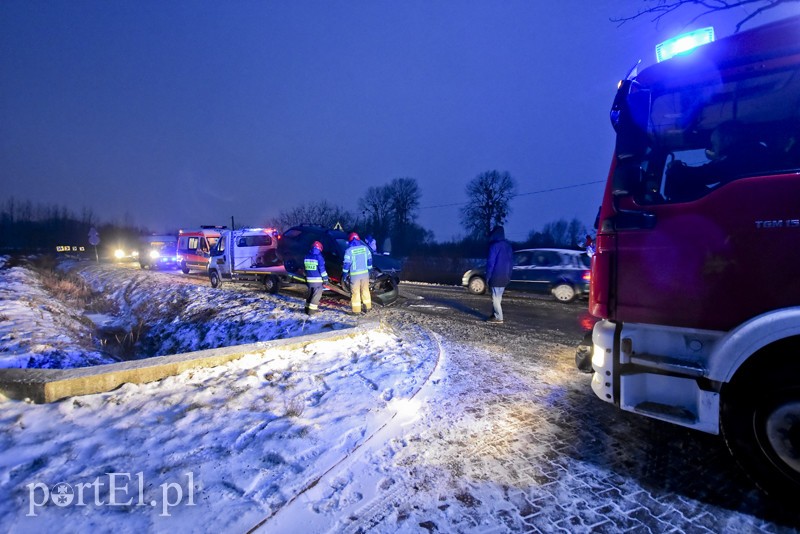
<point x="587" y="276"/>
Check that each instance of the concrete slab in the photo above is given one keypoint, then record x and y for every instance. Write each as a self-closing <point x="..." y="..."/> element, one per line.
<point x="49" y="385"/>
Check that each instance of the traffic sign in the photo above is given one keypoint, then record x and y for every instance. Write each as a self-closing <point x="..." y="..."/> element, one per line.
<point x="94" y="237"/>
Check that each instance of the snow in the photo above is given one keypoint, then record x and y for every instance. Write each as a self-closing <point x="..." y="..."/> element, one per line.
<point x="237" y="442"/>
<point x="411" y="425"/>
<point x="38" y="331"/>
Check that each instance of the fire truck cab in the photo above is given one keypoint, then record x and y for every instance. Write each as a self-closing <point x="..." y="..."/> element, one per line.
<point x="695" y="275"/>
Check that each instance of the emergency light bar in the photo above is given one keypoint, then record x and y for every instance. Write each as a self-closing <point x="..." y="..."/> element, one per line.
<point x="683" y="43"/>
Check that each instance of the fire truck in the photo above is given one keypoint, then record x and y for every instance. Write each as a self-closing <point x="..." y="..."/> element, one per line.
<point x="696" y="276"/>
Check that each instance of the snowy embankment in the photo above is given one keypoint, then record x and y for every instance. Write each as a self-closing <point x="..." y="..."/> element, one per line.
<point x="218" y="449"/>
<point x="149" y="314"/>
<point x="39" y="331"/>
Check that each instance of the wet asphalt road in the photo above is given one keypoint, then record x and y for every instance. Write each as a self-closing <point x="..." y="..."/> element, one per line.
<point x="657" y="477"/>
<point x="559" y="322"/>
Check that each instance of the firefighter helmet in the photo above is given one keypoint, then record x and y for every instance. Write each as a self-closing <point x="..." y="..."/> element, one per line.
<point x="317" y="245"/>
<point x="352" y="236"/>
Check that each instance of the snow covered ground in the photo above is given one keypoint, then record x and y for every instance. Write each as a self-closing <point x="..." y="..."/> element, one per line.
<point x="39" y="331"/>
<point x="418" y="425"/>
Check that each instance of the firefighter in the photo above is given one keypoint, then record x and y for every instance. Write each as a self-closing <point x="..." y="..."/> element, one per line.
<point x="316" y="276"/>
<point x="357" y="266"/>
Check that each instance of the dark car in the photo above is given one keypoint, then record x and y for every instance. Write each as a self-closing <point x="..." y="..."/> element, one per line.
<point x="158" y="251"/>
<point x="563" y="272"/>
<point x="295" y="243"/>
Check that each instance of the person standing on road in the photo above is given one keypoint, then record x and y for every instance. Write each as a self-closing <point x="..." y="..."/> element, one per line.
<point x="357" y="266"/>
<point x="498" y="270"/>
<point x="316" y="277"/>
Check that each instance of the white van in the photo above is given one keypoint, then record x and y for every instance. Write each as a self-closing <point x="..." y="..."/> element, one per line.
<point x="247" y="255"/>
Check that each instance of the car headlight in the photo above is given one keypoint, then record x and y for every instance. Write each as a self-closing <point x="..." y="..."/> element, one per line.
<point x="119" y="253"/>
<point x="135" y="253"/>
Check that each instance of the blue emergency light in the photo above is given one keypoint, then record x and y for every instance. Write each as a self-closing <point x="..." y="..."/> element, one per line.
<point x="684" y="43"/>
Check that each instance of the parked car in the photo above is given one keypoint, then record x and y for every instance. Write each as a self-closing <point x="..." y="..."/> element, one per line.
<point x="563" y="272"/>
<point x="158" y="251"/>
<point x="295" y="243"/>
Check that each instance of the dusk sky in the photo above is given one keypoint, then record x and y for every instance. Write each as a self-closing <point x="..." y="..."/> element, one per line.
<point x="175" y="113"/>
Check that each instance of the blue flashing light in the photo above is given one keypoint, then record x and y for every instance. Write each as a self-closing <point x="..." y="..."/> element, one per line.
<point x="684" y="43"/>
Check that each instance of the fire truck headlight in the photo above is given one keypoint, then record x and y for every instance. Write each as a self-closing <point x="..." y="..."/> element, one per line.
<point x="119" y="253"/>
<point x="598" y="357"/>
<point x="154" y="254"/>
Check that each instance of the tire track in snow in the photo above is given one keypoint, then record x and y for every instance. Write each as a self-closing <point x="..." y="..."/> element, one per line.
<point x="290" y="519"/>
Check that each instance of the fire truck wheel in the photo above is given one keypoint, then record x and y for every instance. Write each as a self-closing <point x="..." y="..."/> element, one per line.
<point x="216" y="281"/>
<point x="761" y="425"/>
<point x="184" y="268"/>
<point x="564" y="292"/>
<point x="272" y="284"/>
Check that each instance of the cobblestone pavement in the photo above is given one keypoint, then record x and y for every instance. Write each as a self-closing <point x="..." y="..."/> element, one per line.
<point x="515" y="440"/>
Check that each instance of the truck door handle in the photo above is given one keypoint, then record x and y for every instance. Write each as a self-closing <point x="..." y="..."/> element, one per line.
<point x="634" y="220"/>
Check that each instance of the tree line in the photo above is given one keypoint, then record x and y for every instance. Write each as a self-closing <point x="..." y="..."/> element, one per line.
<point x="27" y="227"/>
<point x="387" y="212"/>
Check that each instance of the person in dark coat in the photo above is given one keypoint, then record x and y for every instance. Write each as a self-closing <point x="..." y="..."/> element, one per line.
<point x="498" y="270"/>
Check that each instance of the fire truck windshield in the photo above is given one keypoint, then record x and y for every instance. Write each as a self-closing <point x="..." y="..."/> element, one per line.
<point x="677" y="142"/>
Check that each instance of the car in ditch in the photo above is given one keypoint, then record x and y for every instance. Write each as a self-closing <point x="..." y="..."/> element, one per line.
<point x="294" y="244"/>
<point x="564" y="273"/>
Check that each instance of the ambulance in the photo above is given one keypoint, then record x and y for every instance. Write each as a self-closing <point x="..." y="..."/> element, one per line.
<point x="194" y="247"/>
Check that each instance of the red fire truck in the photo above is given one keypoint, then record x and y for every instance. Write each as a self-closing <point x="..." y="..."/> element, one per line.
<point x="696" y="276"/>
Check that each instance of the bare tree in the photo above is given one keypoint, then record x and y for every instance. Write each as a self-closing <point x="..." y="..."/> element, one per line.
<point x="404" y="200"/>
<point x="489" y="202"/>
<point x="377" y="204"/>
<point x="659" y="8"/>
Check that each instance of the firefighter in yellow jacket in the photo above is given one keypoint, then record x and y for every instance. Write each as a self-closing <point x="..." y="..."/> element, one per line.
<point x="357" y="266"/>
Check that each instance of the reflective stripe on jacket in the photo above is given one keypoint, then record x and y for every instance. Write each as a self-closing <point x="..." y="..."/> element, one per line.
<point x="357" y="259"/>
<point x="314" y="265"/>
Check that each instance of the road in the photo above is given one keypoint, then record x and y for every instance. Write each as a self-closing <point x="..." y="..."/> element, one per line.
<point x="556" y="321"/>
<point x="515" y="414"/>
<point x="602" y="468"/>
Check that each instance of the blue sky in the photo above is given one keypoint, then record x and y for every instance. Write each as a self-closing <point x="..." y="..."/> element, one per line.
<point x="175" y="114"/>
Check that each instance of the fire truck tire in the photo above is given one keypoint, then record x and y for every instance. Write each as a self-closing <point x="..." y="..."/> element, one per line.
<point x="272" y="284"/>
<point x="761" y="426"/>
<point x="583" y="354"/>
<point x="216" y="281"/>
<point x="564" y="292"/>
<point x="184" y="268"/>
